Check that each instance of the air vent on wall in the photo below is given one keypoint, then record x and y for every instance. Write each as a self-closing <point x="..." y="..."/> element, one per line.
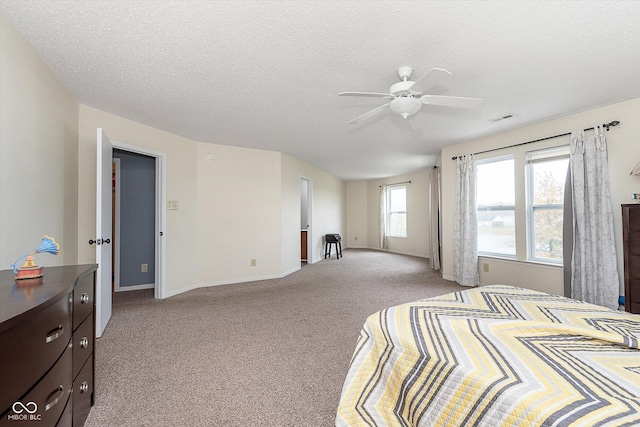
<point x="506" y="116"/>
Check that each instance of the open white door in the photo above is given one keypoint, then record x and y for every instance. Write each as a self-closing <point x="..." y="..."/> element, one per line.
<point x="103" y="232"/>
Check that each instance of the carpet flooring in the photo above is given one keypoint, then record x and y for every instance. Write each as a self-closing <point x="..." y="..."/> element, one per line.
<point x="264" y="353"/>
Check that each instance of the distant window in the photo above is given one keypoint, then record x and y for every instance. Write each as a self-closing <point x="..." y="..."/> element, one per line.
<point x="495" y="201"/>
<point x="397" y="211"/>
<point x="546" y="175"/>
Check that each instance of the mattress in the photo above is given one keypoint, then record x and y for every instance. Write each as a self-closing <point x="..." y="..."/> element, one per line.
<point x="494" y="356"/>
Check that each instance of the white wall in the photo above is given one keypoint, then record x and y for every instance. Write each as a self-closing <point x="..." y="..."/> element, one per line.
<point x="327" y="210"/>
<point x="181" y="225"/>
<point x="363" y="205"/>
<point x="42" y="125"/>
<point x="357" y="218"/>
<point x="38" y="158"/>
<point x="238" y="214"/>
<point x="329" y="206"/>
<point x="243" y="204"/>
<point x="624" y="152"/>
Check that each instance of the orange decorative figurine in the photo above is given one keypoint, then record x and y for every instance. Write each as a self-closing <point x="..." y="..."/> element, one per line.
<point x="29" y="270"/>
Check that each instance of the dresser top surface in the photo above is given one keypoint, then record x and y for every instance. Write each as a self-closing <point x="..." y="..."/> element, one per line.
<point x="26" y="296"/>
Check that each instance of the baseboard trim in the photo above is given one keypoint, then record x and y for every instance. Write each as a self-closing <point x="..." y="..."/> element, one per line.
<point x="135" y="287"/>
<point x="229" y="282"/>
<point x="399" y="252"/>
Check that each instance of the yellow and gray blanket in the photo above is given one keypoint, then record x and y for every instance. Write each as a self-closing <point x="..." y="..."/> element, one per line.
<point x="494" y="356"/>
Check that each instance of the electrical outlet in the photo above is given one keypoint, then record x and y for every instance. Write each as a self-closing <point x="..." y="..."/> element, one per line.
<point x="485" y="267"/>
<point x="172" y="206"/>
<point x="144" y="268"/>
<point x="253" y="262"/>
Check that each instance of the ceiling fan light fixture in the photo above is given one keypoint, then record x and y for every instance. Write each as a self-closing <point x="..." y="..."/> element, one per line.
<point x="406" y="96"/>
<point x="405" y="105"/>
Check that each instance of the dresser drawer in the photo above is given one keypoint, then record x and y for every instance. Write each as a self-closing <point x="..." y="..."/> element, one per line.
<point x="634" y="290"/>
<point x="83" y="394"/>
<point x="47" y="400"/>
<point x="66" y="419"/>
<point x="82" y="344"/>
<point x="83" y="298"/>
<point x="31" y="348"/>
<point x="634" y="219"/>
<point x="633" y="265"/>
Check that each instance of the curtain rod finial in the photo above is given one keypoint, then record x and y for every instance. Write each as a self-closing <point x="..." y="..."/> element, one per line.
<point x="610" y="124"/>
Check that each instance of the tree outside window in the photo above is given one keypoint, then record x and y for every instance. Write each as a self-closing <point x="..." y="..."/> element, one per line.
<point x="546" y="172"/>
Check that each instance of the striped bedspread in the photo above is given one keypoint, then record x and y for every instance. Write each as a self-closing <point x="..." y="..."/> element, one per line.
<point x="494" y="356"/>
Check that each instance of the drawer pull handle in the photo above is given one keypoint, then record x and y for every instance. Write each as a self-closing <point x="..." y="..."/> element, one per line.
<point x="84" y="387"/>
<point x="84" y="342"/>
<point x="54" y="334"/>
<point x="56" y="396"/>
<point x="84" y="298"/>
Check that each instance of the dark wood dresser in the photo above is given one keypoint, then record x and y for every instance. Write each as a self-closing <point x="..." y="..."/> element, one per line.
<point x="631" y="247"/>
<point x="47" y="335"/>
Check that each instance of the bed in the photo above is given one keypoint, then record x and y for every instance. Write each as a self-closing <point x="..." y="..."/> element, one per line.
<point x="494" y="356"/>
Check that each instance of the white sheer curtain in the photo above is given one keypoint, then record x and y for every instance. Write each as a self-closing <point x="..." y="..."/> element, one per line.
<point x="434" y="223"/>
<point x="465" y="236"/>
<point x="594" y="271"/>
<point x="382" y="219"/>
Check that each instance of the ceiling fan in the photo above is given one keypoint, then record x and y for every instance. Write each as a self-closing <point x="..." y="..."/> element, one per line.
<point x="406" y="96"/>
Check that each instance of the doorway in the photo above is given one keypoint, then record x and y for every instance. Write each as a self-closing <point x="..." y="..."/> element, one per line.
<point x="306" y="236"/>
<point x="158" y="190"/>
<point x="104" y="224"/>
<point x="134" y="221"/>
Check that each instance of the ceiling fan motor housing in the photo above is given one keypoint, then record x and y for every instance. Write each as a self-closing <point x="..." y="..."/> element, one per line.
<point x="405" y="72"/>
<point x="401" y="87"/>
<point x="405" y="103"/>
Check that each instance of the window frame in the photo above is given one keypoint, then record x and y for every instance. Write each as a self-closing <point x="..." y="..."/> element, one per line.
<point x="497" y="159"/>
<point x="543" y="155"/>
<point x="388" y="191"/>
<point x="522" y="191"/>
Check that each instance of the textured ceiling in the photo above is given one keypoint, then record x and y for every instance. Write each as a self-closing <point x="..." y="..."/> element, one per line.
<point x="266" y="74"/>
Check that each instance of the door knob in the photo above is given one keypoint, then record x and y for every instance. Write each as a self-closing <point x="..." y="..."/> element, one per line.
<point x="100" y="241"/>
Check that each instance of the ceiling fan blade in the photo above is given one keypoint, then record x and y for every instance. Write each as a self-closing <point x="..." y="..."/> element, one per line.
<point x="370" y="113"/>
<point x="371" y="94"/>
<point x="429" y="80"/>
<point x="452" y="101"/>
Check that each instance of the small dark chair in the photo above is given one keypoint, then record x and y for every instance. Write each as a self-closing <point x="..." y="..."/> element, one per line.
<point x="332" y="239"/>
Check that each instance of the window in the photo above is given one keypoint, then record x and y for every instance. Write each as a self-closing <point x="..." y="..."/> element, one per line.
<point x="397" y="211"/>
<point x="546" y="175"/>
<point x="520" y="204"/>
<point x="495" y="200"/>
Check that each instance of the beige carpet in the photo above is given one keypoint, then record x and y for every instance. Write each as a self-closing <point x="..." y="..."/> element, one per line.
<point x="266" y="353"/>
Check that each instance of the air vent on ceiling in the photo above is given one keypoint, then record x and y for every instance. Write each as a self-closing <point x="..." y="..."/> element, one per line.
<point x="505" y="117"/>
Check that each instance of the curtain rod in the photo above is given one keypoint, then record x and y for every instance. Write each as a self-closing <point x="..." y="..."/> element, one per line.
<point x="396" y="183"/>
<point x="606" y="125"/>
